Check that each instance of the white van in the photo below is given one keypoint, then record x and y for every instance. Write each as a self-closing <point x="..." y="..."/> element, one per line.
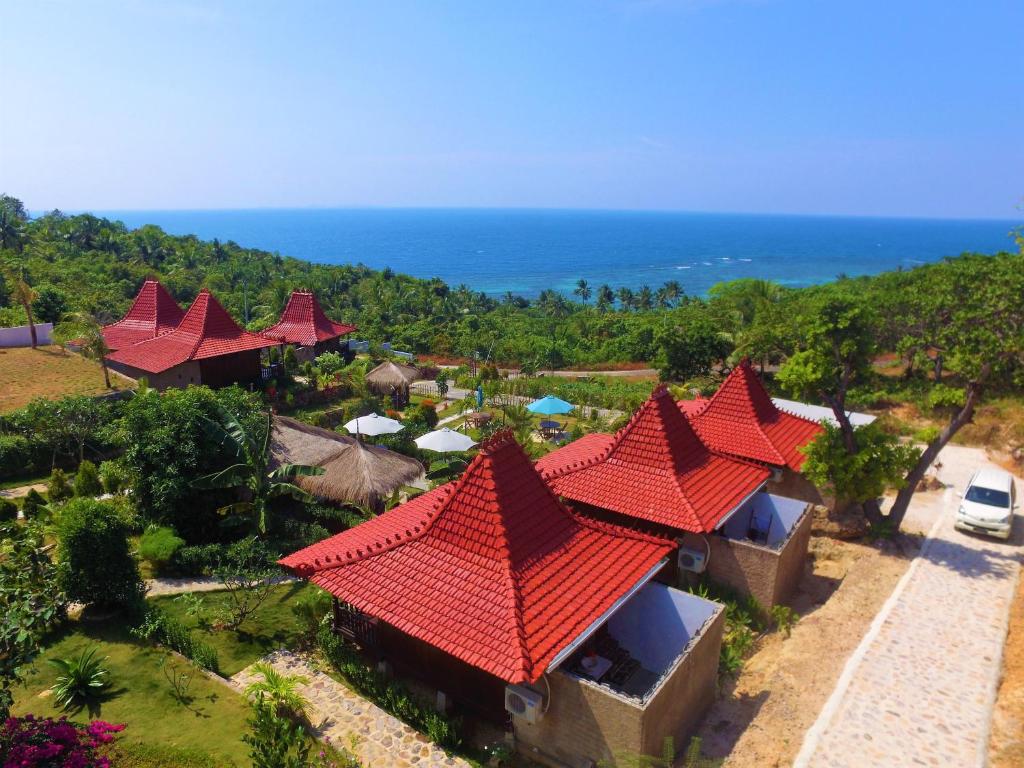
<point x="988" y="503"/>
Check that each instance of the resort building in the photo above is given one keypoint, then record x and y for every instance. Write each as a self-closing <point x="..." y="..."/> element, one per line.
<point x="304" y="325"/>
<point x="742" y="420"/>
<point x="517" y="609"/>
<point x="153" y="313"/>
<point x="207" y="347"/>
<point x="657" y="473"/>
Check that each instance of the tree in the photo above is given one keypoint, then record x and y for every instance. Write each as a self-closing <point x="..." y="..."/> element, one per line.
<point x="691" y="347"/>
<point x="58" y="488"/>
<point x="85" y="332"/>
<point x="13" y="218"/>
<point x="50" y="304"/>
<point x="30" y="602"/>
<point x="249" y="472"/>
<point x="838" y="345"/>
<point x="582" y="290"/>
<point x="96" y="564"/>
<point x="87" y="480"/>
<point x="605" y="297"/>
<point x="246" y="573"/>
<point x="24" y="294"/>
<point x="984" y="336"/>
<point x="626" y="300"/>
<point x="645" y="298"/>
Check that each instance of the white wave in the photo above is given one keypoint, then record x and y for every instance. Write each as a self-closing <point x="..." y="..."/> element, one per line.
<point x="707" y="263"/>
<point x="746" y="259"/>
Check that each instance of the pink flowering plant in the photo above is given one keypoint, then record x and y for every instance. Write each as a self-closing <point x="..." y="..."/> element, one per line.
<point x="38" y="742"/>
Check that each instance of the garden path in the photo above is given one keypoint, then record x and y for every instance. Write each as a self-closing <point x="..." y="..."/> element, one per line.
<point x="165" y="586"/>
<point x="341" y="716"/>
<point x="22" y="490"/>
<point x="920" y="688"/>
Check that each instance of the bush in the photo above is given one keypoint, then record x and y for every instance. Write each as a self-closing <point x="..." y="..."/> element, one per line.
<point x="310" y="610"/>
<point x="36" y="742"/>
<point x="87" y="480"/>
<point x="18" y="456"/>
<point x="198" y="560"/>
<point x="95" y="563"/>
<point x="34" y="505"/>
<point x="159" y="544"/>
<point x="58" y="488"/>
<point x="114" y="476"/>
<point x="159" y="627"/>
<point x="8" y="510"/>
<point x="79" y="679"/>
<point x="427" y="414"/>
<point x="387" y="694"/>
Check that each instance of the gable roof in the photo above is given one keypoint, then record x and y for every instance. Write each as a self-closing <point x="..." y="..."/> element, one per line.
<point x="655" y="469"/>
<point x="742" y="420"/>
<point x="491" y="568"/>
<point x="303" y="322"/>
<point x="153" y="312"/>
<point x="206" y="331"/>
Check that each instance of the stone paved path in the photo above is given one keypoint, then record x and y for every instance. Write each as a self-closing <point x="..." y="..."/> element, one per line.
<point x="383" y="740"/>
<point x="165" y="586"/>
<point x="920" y="688"/>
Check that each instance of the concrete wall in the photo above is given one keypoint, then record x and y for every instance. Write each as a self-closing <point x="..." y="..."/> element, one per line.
<point x="770" y="575"/>
<point x="587" y="723"/>
<point x="796" y="486"/>
<point x="21" y="335"/>
<point x="179" y="376"/>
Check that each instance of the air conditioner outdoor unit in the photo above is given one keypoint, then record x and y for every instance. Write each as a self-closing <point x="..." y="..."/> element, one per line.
<point x="523" y="702"/>
<point x="692" y="560"/>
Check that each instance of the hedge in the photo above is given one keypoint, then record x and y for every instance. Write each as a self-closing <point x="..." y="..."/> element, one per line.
<point x="160" y="627"/>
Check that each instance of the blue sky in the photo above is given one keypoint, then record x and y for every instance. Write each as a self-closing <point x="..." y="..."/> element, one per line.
<point x="796" y="106"/>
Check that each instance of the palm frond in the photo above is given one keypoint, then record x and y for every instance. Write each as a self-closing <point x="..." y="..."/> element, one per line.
<point x="231" y="477"/>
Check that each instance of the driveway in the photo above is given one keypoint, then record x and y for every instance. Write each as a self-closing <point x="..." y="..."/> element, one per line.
<point x="920" y="688"/>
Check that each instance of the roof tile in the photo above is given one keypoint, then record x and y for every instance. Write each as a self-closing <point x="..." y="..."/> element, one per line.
<point x="304" y="322"/>
<point x="153" y="313"/>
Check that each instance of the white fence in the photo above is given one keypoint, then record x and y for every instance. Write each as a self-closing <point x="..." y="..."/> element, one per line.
<point x="21" y="336"/>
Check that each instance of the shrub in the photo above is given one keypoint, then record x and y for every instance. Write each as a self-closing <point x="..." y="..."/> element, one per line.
<point x="310" y="609"/>
<point x="79" y="679"/>
<point x="95" y="563"/>
<point x="291" y="363"/>
<point x="17" y="455"/>
<point x="159" y="544"/>
<point x="58" y="488"/>
<point x="159" y="627"/>
<point x="275" y="741"/>
<point x="35" y="742"/>
<point x="34" y="505"/>
<point x="8" y="510"/>
<point x="87" y="480"/>
<point x="280" y="691"/>
<point x="428" y="415"/>
<point x="114" y="476"/>
<point x="198" y="560"/>
<point x="138" y="755"/>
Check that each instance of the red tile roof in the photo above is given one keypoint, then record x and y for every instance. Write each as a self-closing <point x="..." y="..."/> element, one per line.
<point x="153" y="312"/>
<point x="206" y="331"/>
<point x="655" y="469"/>
<point x="304" y="322"/>
<point x="491" y="568"/>
<point x="740" y="419"/>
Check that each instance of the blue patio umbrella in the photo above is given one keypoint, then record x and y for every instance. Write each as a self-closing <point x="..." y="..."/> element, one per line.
<point x="549" y="405"/>
<point x="479" y="396"/>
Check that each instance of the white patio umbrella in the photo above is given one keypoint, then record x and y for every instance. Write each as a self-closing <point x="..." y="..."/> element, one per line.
<point x="373" y="425"/>
<point x="444" y="440"/>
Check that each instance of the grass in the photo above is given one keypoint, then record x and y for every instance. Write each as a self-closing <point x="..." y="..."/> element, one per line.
<point x="273" y="626"/>
<point x="139" y="696"/>
<point x="49" y="372"/>
<point x="17" y="482"/>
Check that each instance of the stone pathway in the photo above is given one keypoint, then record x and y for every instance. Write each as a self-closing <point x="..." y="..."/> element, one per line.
<point x="920" y="688"/>
<point x="22" y="490"/>
<point x="165" y="586"/>
<point x="339" y="715"/>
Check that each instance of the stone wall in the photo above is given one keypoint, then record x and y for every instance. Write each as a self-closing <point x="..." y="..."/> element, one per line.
<point x="586" y="723"/>
<point x="178" y="376"/>
<point x="794" y="485"/>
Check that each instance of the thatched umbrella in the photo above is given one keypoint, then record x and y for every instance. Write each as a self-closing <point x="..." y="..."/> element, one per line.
<point x="392" y="379"/>
<point x="354" y="473"/>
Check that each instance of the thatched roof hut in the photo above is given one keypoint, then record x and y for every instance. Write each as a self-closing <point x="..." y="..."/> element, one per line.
<point x="353" y="471"/>
<point x="390" y="379"/>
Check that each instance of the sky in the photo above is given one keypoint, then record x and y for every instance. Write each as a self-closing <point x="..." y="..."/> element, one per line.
<point x="894" y="108"/>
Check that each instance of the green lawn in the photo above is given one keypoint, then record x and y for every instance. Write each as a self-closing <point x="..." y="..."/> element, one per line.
<point x="141" y="697"/>
<point x="273" y="626"/>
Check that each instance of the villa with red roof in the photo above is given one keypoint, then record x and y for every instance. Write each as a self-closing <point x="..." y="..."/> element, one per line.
<point x="658" y="473"/>
<point x="207" y="347"/>
<point x="154" y="312"/>
<point x="491" y="590"/>
<point x="304" y="324"/>
<point x="742" y="420"/>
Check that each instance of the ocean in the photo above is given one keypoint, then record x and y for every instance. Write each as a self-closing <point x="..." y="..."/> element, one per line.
<point x="526" y="251"/>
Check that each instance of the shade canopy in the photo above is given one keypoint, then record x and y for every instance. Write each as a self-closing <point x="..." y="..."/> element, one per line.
<point x="391" y="377"/>
<point x="549" y="405"/>
<point x="445" y="440"/>
<point x="354" y="473"/>
<point x="372" y="425"/>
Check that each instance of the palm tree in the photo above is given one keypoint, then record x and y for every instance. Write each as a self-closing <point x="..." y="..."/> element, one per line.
<point x="582" y="290"/>
<point x="625" y="298"/>
<point x="645" y="297"/>
<point x="279" y="690"/>
<point x="12" y="222"/>
<point x="85" y="332"/>
<point x="672" y="291"/>
<point x="605" y="297"/>
<point x="24" y="294"/>
<point x="250" y="472"/>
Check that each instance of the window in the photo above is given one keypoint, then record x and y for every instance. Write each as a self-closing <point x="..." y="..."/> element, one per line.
<point x="988" y="496"/>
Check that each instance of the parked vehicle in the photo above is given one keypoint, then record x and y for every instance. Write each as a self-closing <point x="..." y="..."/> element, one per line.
<point x="988" y="503"/>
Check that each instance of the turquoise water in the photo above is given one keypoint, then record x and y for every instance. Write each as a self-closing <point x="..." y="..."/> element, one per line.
<point x="526" y="251"/>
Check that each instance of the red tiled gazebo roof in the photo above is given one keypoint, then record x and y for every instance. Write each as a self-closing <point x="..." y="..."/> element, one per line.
<point x="153" y="312"/>
<point x="206" y="331"/>
<point x="655" y="469"/>
<point x="742" y="420"/>
<point x="304" y="322"/>
<point x="491" y="568"/>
